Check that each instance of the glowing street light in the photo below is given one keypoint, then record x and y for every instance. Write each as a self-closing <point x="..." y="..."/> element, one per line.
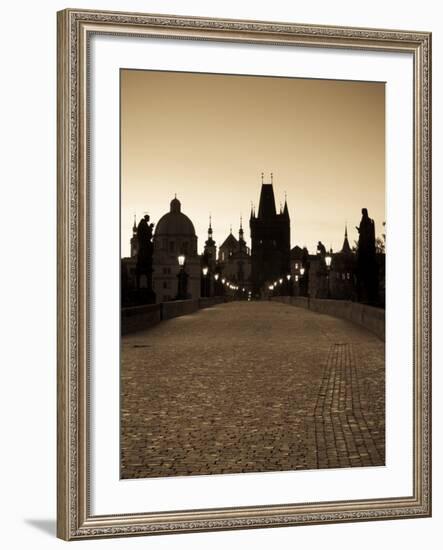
<point x="181" y="260"/>
<point x="328" y="260"/>
<point x="216" y="276"/>
<point x="205" y="271"/>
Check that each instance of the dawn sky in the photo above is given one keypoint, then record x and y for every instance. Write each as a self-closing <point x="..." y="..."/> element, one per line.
<point x="207" y="138"/>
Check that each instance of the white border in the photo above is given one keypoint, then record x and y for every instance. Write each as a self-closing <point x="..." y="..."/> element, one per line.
<point x="109" y="495"/>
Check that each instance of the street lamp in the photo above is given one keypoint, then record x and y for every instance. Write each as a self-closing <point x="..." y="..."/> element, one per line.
<point x="205" y="281"/>
<point x="216" y="276"/>
<point x="328" y="260"/>
<point x="182" y="290"/>
<point x="289" y="285"/>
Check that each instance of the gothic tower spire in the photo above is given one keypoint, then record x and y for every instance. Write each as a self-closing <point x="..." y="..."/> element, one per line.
<point x="346" y="249"/>
<point x="240" y="231"/>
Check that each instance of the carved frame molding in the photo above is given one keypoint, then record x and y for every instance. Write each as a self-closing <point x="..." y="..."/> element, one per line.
<point x="75" y="28"/>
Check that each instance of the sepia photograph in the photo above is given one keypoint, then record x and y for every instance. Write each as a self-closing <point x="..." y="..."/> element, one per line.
<point x="252" y="281"/>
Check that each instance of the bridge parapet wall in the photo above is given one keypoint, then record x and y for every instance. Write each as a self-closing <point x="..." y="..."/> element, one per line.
<point x="136" y="318"/>
<point x="369" y="317"/>
<point x="177" y="308"/>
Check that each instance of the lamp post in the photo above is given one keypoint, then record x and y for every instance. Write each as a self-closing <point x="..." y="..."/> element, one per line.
<point x="216" y="283"/>
<point x="205" y="292"/>
<point x="328" y="260"/>
<point x="302" y="281"/>
<point x="271" y="290"/>
<point x="289" y="284"/>
<point x="182" y="291"/>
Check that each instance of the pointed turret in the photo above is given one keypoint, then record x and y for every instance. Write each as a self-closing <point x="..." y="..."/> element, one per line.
<point x="210" y="241"/>
<point x="133" y="242"/>
<point x="240" y="231"/>
<point x="285" y="209"/>
<point x="346" y="249"/>
<point x="252" y="212"/>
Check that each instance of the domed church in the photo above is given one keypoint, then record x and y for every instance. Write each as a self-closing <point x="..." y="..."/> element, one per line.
<point x="175" y="235"/>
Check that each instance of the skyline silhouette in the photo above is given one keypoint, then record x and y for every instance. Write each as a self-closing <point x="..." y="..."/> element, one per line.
<point x="207" y="138"/>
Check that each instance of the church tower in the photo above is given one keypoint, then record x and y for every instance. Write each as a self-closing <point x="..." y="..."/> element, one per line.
<point x="270" y="239"/>
<point x="210" y="248"/>
<point x="134" y="240"/>
<point x="346" y="249"/>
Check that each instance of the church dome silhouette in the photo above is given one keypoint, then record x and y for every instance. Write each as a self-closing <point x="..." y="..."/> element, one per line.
<point x="175" y="222"/>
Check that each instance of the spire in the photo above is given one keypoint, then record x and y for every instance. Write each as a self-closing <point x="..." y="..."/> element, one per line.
<point x="285" y="209"/>
<point x="272" y="178"/>
<point x="240" y="231"/>
<point x="262" y="177"/>
<point x="210" y="241"/>
<point x="134" y="227"/>
<point x="346" y="249"/>
<point x="252" y="211"/>
<point x="230" y="229"/>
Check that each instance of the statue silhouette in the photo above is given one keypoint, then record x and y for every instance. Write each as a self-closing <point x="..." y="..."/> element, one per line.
<point x="144" y="259"/>
<point x="367" y="273"/>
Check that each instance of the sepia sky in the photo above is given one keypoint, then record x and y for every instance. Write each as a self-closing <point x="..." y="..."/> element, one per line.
<point x="208" y="137"/>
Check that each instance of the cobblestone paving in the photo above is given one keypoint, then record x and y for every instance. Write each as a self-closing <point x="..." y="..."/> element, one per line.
<point x="251" y="387"/>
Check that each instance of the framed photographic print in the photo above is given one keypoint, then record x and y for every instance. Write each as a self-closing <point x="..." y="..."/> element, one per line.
<point x="243" y="274"/>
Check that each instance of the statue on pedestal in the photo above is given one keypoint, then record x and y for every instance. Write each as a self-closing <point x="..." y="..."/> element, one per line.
<point x="367" y="273"/>
<point x="143" y="269"/>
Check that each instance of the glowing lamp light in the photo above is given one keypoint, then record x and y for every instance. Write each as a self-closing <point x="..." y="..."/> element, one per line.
<point x="296" y="278"/>
<point x="223" y="281"/>
<point x="288" y="277"/>
<point x="328" y="260"/>
<point x="216" y="276"/>
<point x="181" y="260"/>
<point x="302" y="271"/>
<point x="205" y="271"/>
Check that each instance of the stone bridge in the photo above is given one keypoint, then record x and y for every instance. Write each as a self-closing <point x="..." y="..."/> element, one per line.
<point x="251" y="387"/>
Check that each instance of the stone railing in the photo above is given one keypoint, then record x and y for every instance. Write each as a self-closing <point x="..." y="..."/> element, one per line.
<point x="137" y="318"/>
<point x="371" y="318"/>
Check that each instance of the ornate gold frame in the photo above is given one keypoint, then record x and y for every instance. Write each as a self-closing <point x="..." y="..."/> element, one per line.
<point x="74" y="29"/>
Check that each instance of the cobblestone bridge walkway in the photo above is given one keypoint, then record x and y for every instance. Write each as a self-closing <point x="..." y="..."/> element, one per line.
<point x="251" y="387"/>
